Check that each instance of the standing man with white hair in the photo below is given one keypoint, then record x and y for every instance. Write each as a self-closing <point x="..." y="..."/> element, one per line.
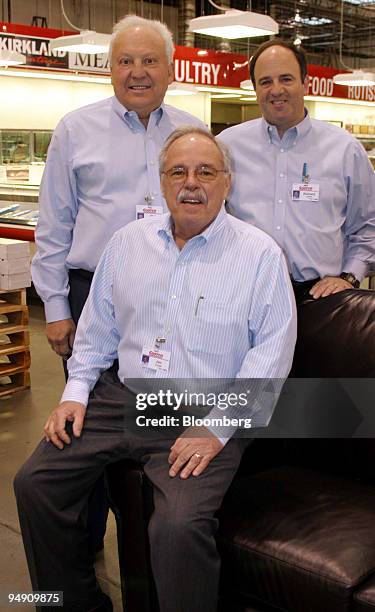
<point x="102" y="172"/>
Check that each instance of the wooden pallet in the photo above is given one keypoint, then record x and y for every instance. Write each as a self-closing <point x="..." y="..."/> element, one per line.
<point x="13" y="383"/>
<point x="13" y="296"/>
<point x="14" y="342"/>
<point x="12" y="363"/>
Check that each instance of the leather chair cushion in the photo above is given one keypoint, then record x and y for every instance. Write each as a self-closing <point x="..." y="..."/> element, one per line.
<point x="364" y="598"/>
<point x="298" y="539"/>
<point x="342" y="320"/>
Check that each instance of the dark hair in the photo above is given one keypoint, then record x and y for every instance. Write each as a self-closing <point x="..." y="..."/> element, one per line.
<point x="297" y="51"/>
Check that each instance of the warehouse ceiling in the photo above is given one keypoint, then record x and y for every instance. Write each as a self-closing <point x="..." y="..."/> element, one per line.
<point x="315" y="22"/>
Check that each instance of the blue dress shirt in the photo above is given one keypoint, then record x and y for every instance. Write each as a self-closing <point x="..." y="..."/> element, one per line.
<point x="333" y="235"/>
<point x="145" y="287"/>
<point x="101" y="163"/>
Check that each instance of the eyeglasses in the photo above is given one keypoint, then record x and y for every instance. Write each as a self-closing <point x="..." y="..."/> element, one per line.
<point x="204" y="174"/>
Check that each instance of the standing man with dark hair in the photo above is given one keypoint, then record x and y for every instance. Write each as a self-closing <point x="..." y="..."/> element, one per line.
<point x="305" y="182"/>
<point x="101" y="173"/>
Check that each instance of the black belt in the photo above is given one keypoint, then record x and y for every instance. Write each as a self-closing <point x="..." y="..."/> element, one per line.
<point x="79" y="273"/>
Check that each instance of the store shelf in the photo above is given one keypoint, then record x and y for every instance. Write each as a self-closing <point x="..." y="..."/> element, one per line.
<point x="14" y="342"/>
<point x="19" y="193"/>
<point x="15" y="362"/>
<point x="14" y="383"/>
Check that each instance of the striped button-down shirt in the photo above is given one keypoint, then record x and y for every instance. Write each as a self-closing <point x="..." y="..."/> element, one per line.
<point x="223" y="303"/>
<point x="102" y="162"/>
<point x="336" y="233"/>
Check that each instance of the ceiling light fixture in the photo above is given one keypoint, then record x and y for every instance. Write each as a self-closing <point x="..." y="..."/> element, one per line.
<point x="87" y="41"/>
<point x="56" y="76"/>
<point x="217" y="89"/>
<point x="355" y="78"/>
<point x="222" y="96"/>
<point x="181" y="89"/>
<point x="247" y="84"/>
<point x="234" y="24"/>
<point x="11" y="58"/>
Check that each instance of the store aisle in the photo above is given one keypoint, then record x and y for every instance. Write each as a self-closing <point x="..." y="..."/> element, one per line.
<point x="21" y="422"/>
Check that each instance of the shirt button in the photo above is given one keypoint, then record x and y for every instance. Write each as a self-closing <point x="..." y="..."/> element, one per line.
<point x="281" y="150"/>
<point x="152" y="163"/>
<point x="278" y="227"/>
<point x="281" y="175"/>
<point x="174" y="297"/>
<point x="280" y="201"/>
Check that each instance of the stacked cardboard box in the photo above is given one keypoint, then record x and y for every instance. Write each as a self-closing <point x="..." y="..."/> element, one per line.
<point x="14" y="264"/>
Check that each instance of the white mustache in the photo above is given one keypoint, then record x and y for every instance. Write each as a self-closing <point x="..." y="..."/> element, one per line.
<point x="187" y="194"/>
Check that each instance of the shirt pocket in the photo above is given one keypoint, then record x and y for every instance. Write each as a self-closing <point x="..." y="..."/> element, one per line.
<point x="212" y="328"/>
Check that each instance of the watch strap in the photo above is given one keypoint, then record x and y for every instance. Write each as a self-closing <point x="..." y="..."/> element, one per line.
<point x="350" y="278"/>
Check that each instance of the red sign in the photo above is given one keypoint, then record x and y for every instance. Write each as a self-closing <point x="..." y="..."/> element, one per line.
<point x="321" y="84"/>
<point x="195" y="66"/>
<point x="208" y="67"/>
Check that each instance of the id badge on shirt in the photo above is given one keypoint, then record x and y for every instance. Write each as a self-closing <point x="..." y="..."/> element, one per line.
<point x="305" y="192"/>
<point x="155" y="359"/>
<point x="147" y="211"/>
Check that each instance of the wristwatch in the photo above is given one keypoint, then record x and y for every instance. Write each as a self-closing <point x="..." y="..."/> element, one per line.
<point x="350" y="278"/>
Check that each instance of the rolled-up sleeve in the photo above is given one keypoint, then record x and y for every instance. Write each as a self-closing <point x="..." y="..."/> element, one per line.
<point x="53" y="237"/>
<point x="359" y="254"/>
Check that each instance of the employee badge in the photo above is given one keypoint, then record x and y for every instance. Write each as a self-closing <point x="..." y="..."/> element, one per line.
<point x="147" y="211"/>
<point x="305" y="192"/>
<point x="155" y="358"/>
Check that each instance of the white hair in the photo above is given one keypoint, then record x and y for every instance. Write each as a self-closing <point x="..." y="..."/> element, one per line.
<point x="132" y="21"/>
<point x="185" y="130"/>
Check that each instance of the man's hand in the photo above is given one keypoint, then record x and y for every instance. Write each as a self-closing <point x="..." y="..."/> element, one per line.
<point x="193" y="451"/>
<point x="60" y="335"/>
<point x="328" y="285"/>
<point x="54" y="429"/>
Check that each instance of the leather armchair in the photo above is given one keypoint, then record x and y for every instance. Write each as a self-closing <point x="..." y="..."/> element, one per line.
<point x="297" y="525"/>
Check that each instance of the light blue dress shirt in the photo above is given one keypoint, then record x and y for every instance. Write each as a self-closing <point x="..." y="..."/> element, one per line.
<point x="333" y="235"/>
<point x="145" y="287"/>
<point x="101" y="163"/>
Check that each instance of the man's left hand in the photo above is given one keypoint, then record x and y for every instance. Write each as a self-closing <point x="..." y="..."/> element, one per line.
<point x="328" y="285"/>
<point x="193" y="451"/>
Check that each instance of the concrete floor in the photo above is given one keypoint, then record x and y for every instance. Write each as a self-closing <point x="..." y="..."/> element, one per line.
<point x="22" y="417"/>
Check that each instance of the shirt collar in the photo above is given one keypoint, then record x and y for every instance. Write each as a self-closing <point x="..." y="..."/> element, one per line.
<point x="290" y="137"/>
<point x="131" y="117"/>
<point x="165" y="229"/>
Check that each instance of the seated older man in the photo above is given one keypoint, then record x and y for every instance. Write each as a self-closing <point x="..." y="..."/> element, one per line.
<point x="195" y="298"/>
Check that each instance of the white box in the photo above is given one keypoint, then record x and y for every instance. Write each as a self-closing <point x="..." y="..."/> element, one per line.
<point x="15" y="266"/>
<point x="13" y="249"/>
<point x="15" y="281"/>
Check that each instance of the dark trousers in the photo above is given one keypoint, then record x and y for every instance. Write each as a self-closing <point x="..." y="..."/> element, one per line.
<point x="80" y="282"/>
<point x="301" y="289"/>
<point x="52" y="489"/>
